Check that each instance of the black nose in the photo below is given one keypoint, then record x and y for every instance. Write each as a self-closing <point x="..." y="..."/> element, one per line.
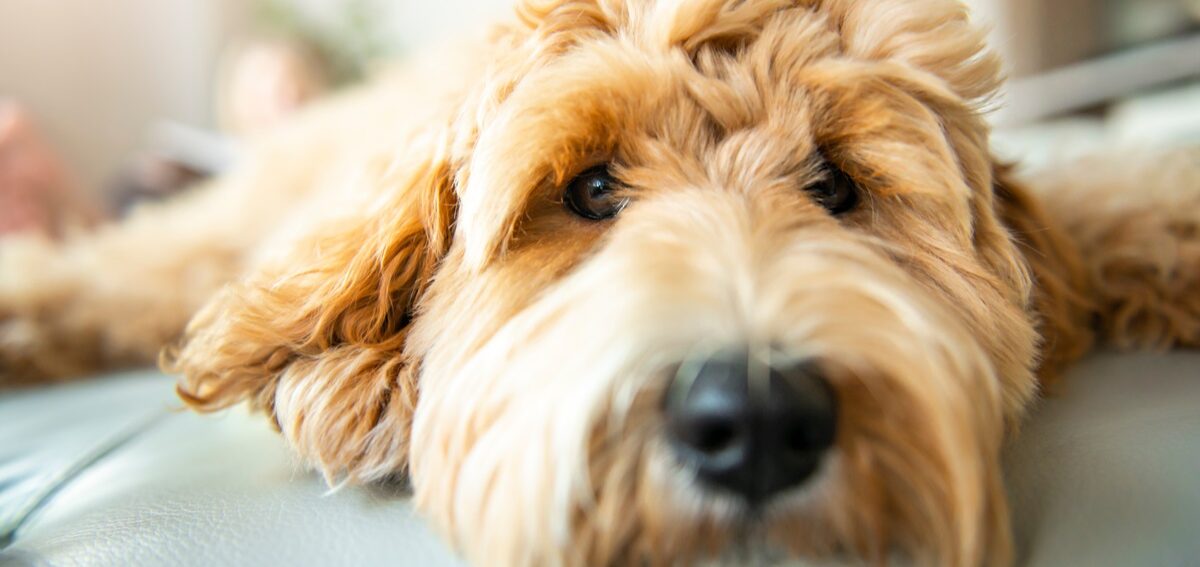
<point x="749" y="427"/>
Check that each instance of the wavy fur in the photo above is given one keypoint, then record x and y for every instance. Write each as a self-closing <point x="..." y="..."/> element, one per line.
<point x="395" y="282"/>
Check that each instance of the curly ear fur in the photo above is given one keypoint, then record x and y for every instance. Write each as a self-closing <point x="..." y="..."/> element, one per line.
<point x="1061" y="298"/>
<point x="317" y="338"/>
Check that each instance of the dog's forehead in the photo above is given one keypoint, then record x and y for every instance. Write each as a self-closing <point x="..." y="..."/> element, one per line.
<point x="674" y="70"/>
<point x="649" y="68"/>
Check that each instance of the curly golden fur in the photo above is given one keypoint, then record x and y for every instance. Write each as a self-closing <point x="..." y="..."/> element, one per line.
<point x="408" y="295"/>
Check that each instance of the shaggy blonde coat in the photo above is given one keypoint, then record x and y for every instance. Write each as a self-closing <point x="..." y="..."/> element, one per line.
<point x="394" y="279"/>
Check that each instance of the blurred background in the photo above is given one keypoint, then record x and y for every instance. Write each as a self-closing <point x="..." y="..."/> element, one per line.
<point x="124" y="99"/>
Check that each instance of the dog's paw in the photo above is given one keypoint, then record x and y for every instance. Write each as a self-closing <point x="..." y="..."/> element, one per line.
<point x="31" y="337"/>
<point x="1135" y="219"/>
<point x="10" y="363"/>
<point x="14" y="351"/>
<point x="1144" y="255"/>
<point x="31" y="352"/>
<point x="1149" y="290"/>
<point x="19" y="352"/>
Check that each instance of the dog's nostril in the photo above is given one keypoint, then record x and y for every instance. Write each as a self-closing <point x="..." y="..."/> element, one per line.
<point x="798" y="439"/>
<point x="803" y="437"/>
<point x="753" y="442"/>
<point x="714" y="436"/>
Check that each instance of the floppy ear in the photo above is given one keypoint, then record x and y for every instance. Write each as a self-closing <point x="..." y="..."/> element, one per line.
<point x="316" y="339"/>
<point x="1060" y="294"/>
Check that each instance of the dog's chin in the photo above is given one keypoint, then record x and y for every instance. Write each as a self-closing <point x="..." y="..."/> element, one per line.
<point x="762" y="534"/>
<point x="762" y="554"/>
<point x="754" y="549"/>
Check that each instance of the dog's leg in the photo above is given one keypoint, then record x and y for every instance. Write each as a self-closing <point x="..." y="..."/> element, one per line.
<point x="111" y="298"/>
<point x="1136" y="224"/>
<point x="114" y="297"/>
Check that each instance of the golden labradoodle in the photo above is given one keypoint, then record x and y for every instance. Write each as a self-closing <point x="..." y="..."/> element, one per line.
<point x="645" y="283"/>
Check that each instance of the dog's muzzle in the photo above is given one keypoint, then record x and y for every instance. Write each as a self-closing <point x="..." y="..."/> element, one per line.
<point x="750" y="427"/>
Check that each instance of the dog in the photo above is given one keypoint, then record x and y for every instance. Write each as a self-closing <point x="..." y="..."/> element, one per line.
<point x="645" y="283"/>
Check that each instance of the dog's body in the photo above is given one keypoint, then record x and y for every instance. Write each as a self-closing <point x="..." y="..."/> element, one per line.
<point x="492" y="272"/>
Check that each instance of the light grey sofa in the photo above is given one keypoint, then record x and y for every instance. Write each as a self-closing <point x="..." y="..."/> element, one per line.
<point x="110" y="472"/>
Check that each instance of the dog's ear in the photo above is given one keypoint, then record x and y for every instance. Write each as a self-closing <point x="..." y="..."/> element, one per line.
<point x="316" y="337"/>
<point x="1060" y="296"/>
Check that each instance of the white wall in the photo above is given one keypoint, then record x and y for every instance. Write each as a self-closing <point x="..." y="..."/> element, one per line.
<point x="99" y="73"/>
<point x="415" y="22"/>
<point x="1016" y="30"/>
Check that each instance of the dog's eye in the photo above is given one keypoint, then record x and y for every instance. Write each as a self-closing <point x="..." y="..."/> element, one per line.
<point x="592" y="195"/>
<point x="836" y="192"/>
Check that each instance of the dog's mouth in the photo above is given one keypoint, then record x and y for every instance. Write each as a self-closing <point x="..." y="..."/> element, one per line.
<point x="752" y="547"/>
<point x="775" y="530"/>
<point x="752" y="544"/>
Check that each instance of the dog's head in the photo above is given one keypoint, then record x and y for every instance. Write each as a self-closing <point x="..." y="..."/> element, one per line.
<point x="681" y="280"/>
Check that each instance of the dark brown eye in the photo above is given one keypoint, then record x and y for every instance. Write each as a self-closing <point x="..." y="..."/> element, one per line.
<point x="836" y="192"/>
<point x="592" y="195"/>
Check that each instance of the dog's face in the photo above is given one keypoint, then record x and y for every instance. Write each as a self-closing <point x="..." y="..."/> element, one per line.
<point x="686" y="280"/>
<point x="726" y="278"/>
